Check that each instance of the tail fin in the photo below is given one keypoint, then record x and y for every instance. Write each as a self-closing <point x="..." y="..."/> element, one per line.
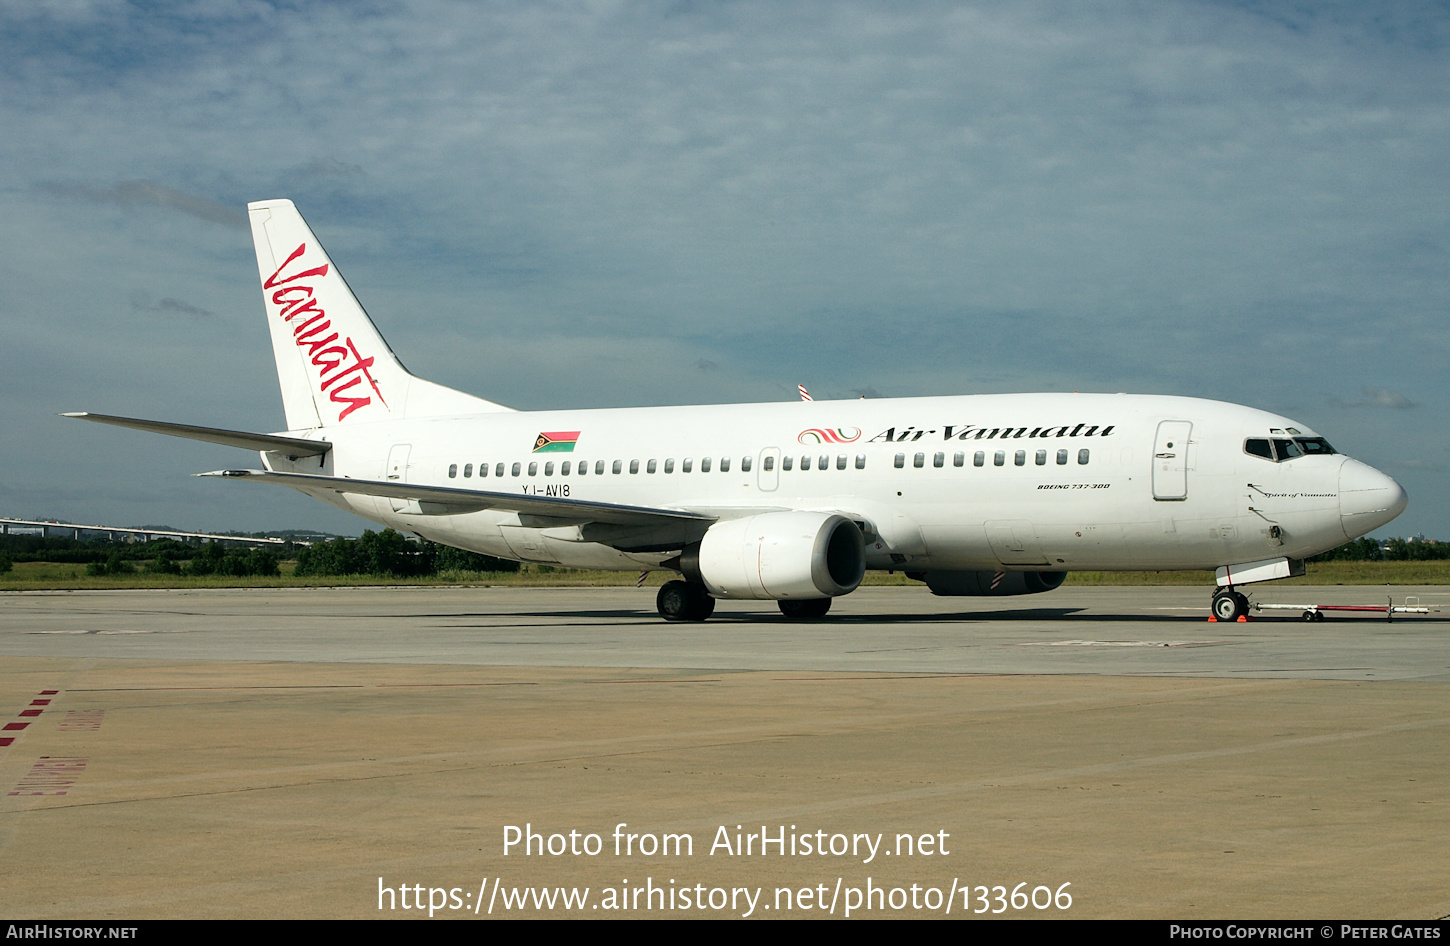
<point x="333" y="365"/>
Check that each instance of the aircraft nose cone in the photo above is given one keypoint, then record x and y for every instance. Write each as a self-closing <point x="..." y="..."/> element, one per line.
<point x="1367" y="498"/>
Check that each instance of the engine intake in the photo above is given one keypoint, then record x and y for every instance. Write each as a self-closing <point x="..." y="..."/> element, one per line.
<point x="779" y="555"/>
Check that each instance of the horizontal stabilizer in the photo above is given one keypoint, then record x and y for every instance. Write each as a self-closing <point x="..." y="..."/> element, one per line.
<point x="556" y="510"/>
<point x="270" y="443"/>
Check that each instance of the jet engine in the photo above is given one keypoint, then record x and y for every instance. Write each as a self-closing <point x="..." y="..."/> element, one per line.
<point x="972" y="584"/>
<point x="780" y="555"/>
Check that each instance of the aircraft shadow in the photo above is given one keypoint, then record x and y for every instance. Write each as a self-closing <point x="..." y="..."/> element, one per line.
<point x="1075" y="615"/>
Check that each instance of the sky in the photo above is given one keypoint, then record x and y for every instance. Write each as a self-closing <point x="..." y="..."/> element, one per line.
<point x="604" y="204"/>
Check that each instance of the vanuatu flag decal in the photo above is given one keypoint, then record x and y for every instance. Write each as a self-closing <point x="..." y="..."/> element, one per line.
<point x="556" y="441"/>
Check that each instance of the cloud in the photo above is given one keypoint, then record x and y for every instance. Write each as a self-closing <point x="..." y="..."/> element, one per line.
<point x="1377" y="398"/>
<point x="141" y="302"/>
<point x="131" y="193"/>
<point x="330" y="167"/>
<point x="1416" y="464"/>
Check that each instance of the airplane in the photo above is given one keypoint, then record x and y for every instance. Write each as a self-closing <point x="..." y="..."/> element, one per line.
<point x="979" y="495"/>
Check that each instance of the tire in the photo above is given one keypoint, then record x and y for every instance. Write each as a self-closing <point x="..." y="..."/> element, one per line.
<point x="1229" y="606"/>
<point x="798" y="609"/>
<point x="674" y="601"/>
<point x="1309" y="616"/>
<point x="684" y="601"/>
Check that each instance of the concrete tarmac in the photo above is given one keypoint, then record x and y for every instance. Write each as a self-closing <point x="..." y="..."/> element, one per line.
<point x="352" y="752"/>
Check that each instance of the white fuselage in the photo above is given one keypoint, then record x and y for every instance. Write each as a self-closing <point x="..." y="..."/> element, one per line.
<point x="1086" y="481"/>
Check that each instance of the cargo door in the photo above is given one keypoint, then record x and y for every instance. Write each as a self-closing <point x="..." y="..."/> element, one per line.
<point x="1014" y="542"/>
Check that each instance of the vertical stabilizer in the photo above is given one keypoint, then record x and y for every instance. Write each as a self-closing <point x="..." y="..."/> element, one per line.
<point x="333" y="365"/>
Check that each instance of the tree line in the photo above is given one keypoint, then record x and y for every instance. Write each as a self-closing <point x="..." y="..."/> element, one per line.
<point x="386" y="554"/>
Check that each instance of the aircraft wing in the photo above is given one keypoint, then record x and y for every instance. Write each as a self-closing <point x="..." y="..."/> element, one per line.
<point x="271" y="443"/>
<point x="538" y="511"/>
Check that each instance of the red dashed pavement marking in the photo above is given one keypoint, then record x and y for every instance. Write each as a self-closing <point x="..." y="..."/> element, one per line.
<point x="36" y="707"/>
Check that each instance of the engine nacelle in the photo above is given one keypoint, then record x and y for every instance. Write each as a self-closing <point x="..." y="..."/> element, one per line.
<point x="779" y="555"/>
<point x="971" y="584"/>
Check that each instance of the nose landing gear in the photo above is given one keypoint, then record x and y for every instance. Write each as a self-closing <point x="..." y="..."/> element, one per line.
<point x="1229" y="605"/>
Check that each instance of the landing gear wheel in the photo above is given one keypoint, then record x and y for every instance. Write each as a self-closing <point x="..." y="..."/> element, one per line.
<point x="684" y="601"/>
<point x="1230" y="606"/>
<point x="1309" y="615"/>
<point x="804" y="609"/>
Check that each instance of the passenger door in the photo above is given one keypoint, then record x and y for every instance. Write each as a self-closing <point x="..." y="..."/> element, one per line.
<point x="1170" y="460"/>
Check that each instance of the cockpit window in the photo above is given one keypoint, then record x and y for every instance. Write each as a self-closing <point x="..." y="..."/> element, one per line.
<point x="1286" y="449"/>
<point x="1281" y="449"/>
<point x="1312" y="445"/>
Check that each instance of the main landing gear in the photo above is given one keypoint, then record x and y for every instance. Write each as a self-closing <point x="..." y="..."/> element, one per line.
<point x="804" y="609"/>
<point x="684" y="601"/>
<point x="1229" y="605"/>
<point x="689" y="601"/>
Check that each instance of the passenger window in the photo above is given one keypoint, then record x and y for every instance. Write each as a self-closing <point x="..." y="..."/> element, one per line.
<point x="705" y="465"/>
<point x="1042" y="458"/>
<point x="999" y="458"/>
<point x="564" y="470"/>
<point x="670" y="465"/>
<point x="769" y="464"/>
<point x="483" y="469"/>
<point x="1062" y="458"/>
<point x="549" y="468"/>
<point x="687" y="465"/>
<point x="452" y="470"/>
<point x="939" y="461"/>
<point x="516" y="469"/>
<point x="583" y="468"/>
<point x="633" y="467"/>
<point x="1082" y="457"/>
<point x="860" y="461"/>
<point x="649" y="467"/>
<point x="786" y="462"/>
<point x="824" y="464"/>
<point x="900" y="460"/>
<point x="468" y="471"/>
<point x="841" y="462"/>
<point x="1021" y="458"/>
<point x="498" y="470"/>
<point x="533" y="469"/>
<point x="598" y="467"/>
<point x="979" y="458"/>
<point x="617" y="468"/>
<point x="959" y="459"/>
<point x="724" y="464"/>
<point x="745" y="464"/>
<point x="919" y="460"/>
<point x="805" y="463"/>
